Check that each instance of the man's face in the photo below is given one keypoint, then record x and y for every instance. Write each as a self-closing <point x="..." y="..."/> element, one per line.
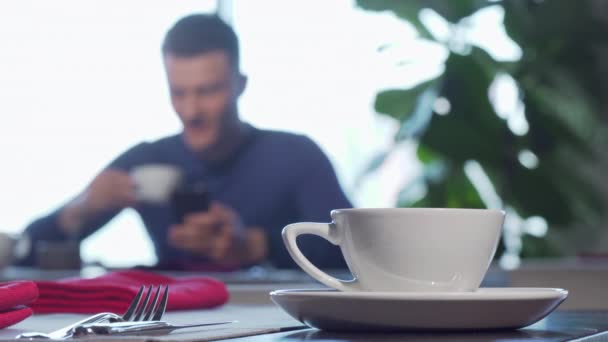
<point x="204" y="90"/>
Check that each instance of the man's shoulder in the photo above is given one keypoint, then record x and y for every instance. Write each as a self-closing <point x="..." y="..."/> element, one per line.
<point x="168" y="143"/>
<point x="146" y="152"/>
<point x="286" y="148"/>
<point x="283" y="140"/>
<point x="170" y="140"/>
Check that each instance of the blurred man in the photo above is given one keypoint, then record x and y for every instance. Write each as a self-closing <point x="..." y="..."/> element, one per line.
<point x="259" y="180"/>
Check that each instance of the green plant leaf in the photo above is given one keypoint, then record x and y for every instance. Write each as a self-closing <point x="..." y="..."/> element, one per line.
<point x="575" y="184"/>
<point x="541" y="24"/>
<point x="453" y="191"/>
<point x="408" y="10"/>
<point x="417" y="123"/>
<point x="562" y="78"/>
<point x="538" y="247"/>
<point x="472" y="130"/>
<point x="426" y="155"/>
<point x="562" y="97"/>
<point x="533" y="192"/>
<point x="454" y="11"/>
<point x="399" y="103"/>
<point x="547" y="131"/>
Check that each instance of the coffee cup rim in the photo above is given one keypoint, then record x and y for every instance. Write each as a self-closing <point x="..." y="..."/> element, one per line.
<point x="394" y="210"/>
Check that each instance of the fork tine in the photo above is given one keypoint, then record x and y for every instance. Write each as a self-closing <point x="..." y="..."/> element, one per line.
<point x="158" y="314"/>
<point x="134" y="304"/>
<point x="153" y="304"/>
<point x="143" y="305"/>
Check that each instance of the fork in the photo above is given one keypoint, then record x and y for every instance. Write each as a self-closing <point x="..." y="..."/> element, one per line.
<point x="124" y="328"/>
<point x="136" y="312"/>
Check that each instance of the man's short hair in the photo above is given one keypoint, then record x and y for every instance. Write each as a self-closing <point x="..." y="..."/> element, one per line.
<point x="200" y="33"/>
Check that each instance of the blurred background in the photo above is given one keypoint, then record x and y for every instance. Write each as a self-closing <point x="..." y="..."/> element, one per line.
<point x="428" y="103"/>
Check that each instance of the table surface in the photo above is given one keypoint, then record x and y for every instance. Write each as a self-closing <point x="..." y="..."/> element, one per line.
<point x="248" y="320"/>
<point x="259" y="320"/>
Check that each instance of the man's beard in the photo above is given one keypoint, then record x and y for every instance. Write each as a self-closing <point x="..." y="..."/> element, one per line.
<point x="227" y="136"/>
<point x="228" y="119"/>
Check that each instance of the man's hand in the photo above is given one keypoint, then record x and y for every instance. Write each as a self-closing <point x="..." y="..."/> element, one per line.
<point x="111" y="189"/>
<point x="219" y="234"/>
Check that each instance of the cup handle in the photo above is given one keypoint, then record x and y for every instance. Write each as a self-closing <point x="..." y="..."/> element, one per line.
<point x="327" y="231"/>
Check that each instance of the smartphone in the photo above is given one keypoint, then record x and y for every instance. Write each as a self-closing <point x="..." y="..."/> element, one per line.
<point x="189" y="198"/>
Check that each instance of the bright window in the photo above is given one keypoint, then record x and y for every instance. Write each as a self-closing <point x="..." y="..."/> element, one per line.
<point x="81" y="81"/>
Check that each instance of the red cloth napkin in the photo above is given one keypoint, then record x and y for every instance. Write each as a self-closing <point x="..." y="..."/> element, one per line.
<point x="14" y="316"/>
<point x="13" y="298"/>
<point x="114" y="291"/>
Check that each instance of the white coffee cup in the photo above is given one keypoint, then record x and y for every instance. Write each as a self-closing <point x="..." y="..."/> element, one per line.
<point x="405" y="249"/>
<point x="155" y="182"/>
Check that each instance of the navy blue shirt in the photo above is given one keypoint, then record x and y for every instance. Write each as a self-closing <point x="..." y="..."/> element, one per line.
<point x="274" y="179"/>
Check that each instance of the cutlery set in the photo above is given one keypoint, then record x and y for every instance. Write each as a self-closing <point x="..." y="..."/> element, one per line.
<point x="143" y="317"/>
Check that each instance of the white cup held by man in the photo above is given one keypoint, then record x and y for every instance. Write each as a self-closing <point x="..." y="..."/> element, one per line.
<point x="155" y="182"/>
<point x="405" y="249"/>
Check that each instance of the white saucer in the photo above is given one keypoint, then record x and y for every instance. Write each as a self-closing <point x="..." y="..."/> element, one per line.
<point x="486" y="308"/>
